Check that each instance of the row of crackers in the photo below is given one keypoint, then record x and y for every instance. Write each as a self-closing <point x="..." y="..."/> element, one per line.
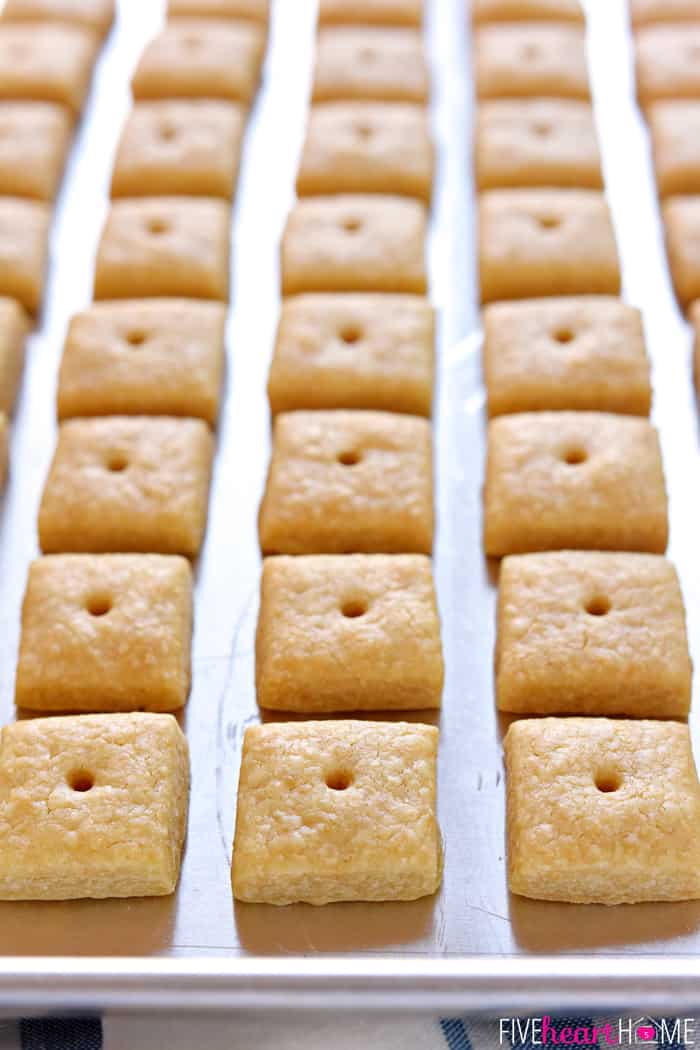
<point x="574" y="477"/>
<point x="348" y="616"/>
<point x="107" y="613"/>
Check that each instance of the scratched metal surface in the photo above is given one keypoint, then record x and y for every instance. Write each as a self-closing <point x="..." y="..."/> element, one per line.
<point x="473" y="913"/>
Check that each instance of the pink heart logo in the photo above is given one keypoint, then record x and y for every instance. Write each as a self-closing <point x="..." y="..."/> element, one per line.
<point x="646" y="1032"/>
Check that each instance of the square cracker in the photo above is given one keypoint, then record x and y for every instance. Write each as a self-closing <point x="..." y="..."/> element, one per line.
<point x="354" y="351"/>
<point x="348" y="632"/>
<point x="127" y="484"/>
<point x="367" y="147"/>
<point x="92" y="806"/>
<point x="602" y="811"/>
<point x="568" y="480"/>
<point x="642" y="11"/>
<point x="675" y="138"/>
<point x="24" y="250"/>
<point x="530" y="59"/>
<point x="186" y="147"/>
<point x="590" y="633"/>
<point x="337" y="811"/>
<point x="165" y="246"/>
<point x="258" y="10"/>
<point x="371" y="12"/>
<point x="667" y="62"/>
<point x="105" y="632"/>
<point x="34" y="142"/>
<point x="681" y="217"/>
<point x="370" y="62"/>
<point x="527" y="10"/>
<point x="355" y="243"/>
<point x="348" y="482"/>
<point x="97" y="15"/>
<point x="546" y="242"/>
<point x="536" y="142"/>
<point x="46" y="62"/>
<point x="153" y="357"/>
<point x="201" y="58"/>
<point x="14" y="328"/>
<point x="585" y="353"/>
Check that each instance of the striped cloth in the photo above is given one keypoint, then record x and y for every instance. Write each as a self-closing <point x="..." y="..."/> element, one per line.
<point x="316" y="1032"/>
<point x="52" y="1034"/>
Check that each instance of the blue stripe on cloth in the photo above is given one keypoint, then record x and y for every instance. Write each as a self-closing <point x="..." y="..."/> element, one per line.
<point x="455" y="1034"/>
<point x="53" y="1033"/>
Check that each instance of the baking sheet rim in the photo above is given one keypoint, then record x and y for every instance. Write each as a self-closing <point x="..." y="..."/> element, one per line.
<point x="489" y="985"/>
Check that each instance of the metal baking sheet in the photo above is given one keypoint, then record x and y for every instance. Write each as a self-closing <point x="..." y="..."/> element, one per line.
<point x="472" y="947"/>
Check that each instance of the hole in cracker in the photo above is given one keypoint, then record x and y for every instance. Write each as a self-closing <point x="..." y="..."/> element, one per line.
<point x="367" y="54"/>
<point x="338" y="780"/>
<point x="157" y="226"/>
<point x="350" y="334"/>
<point x="117" y="462"/>
<point x="599" y="605"/>
<point x="563" y="335"/>
<point x="549" y="222"/>
<point x="81" y="780"/>
<point x="575" y="455"/>
<point x="167" y="132"/>
<point x="607" y="781"/>
<point x="136" y="337"/>
<point x="352" y="224"/>
<point x="363" y="131"/>
<point x="541" y="129"/>
<point x="99" y="604"/>
<point x="354" y="608"/>
<point x="350" y="458"/>
<point x="530" y="52"/>
<point x="191" y="40"/>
